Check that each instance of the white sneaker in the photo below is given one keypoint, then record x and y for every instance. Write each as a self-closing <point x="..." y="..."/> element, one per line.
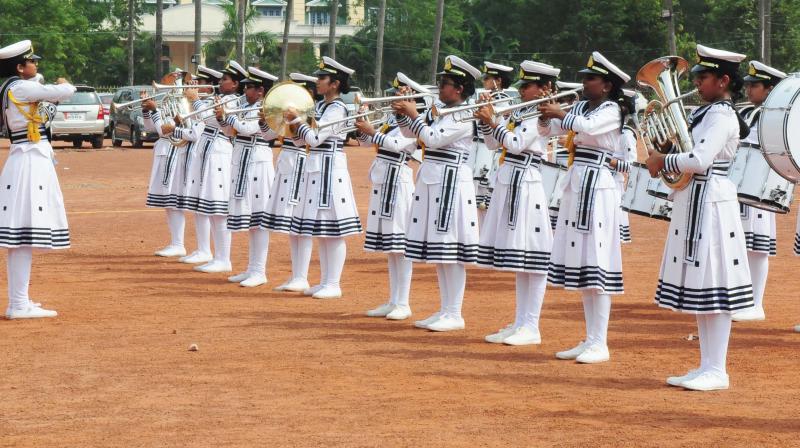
<point x="400" y="312"/>
<point x="29" y="312"/>
<point x="196" y="257"/>
<point x="254" y="280"/>
<point x="594" y="354"/>
<point x="171" y="251"/>
<point x="328" y="292"/>
<point x="573" y="352"/>
<point x="310" y="291"/>
<point x="500" y="336"/>
<point x="425" y="322"/>
<point x="707" y="381"/>
<point x="214" y="266"/>
<point x="797" y="328"/>
<point x="381" y="311"/>
<point x="749" y="314"/>
<point x="238" y="278"/>
<point x="523" y="336"/>
<point x="677" y="380"/>
<point x="293" y="285"/>
<point x="447" y="323"/>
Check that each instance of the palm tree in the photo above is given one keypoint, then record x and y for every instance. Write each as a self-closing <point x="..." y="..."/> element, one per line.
<point x="332" y="28"/>
<point x="285" y="45"/>
<point x="198" y="28"/>
<point x="379" y="45"/>
<point x="226" y="45"/>
<point x="241" y="16"/>
<point x="159" y="39"/>
<point x="437" y="36"/>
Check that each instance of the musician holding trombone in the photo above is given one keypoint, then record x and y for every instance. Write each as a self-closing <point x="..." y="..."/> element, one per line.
<point x="443" y="228"/>
<point x="390" y="200"/>
<point x="252" y="174"/>
<point x="586" y="253"/>
<point x="516" y="235"/>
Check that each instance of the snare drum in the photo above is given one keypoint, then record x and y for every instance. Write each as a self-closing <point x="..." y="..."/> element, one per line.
<point x="779" y="128"/>
<point x="638" y="200"/>
<point x="552" y="174"/>
<point x="757" y="184"/>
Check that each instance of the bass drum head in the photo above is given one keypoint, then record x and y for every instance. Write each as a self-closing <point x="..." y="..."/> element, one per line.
<point x="779" y="128"/>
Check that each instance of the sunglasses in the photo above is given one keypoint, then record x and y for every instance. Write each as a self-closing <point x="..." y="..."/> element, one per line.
<point x="444" y="83"/>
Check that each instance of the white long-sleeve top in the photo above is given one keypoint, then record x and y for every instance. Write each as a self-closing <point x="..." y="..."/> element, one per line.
<point x="394" y="142"/>
<point x="597" y="129"/>
<point x="31" y="92"/>
<point x="326" y="112"/>
<point x="715" y="135"/>
<point x="247" y="126"/>
<point x="626" y="153"/>
<point x="524" y="138"/>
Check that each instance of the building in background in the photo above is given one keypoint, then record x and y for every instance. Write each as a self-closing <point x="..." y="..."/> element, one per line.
<point x="310" y="19"/>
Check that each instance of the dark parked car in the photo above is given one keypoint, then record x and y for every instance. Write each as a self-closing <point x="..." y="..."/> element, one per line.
<point x="106" y="98"/>
<point x="126" y="122"/>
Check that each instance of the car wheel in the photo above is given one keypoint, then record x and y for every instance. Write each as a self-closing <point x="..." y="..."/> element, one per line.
<point x="77" y="143"/>
<point x="136" y="139"/>
<point x="117" y="142"/>
<point x="97" y="141"/>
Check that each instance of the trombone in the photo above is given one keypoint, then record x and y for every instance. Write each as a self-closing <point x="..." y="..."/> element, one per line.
<point x="500" y="111"/>
<point x="140" y="100"/>
<point x="159" y="86"/>
<point x="347" y="129"/>
<point x="362" y="101"/>
<point x="212" y="106"/>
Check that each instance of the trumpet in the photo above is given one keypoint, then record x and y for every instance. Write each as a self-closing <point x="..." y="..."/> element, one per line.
<point x="139" y="101"/>
<point x="379" y="120"/>
<point x="500" y="111"/>
<point x="212" y="106"/>
<point x="362" y="101"/>
<point x="159" y="86"/>
<point x="471" y="108"/>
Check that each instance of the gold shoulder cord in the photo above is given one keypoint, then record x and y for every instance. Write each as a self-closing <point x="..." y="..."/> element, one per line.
<point x="33" y="117"/>
<point x="570" y="144"/>
<point x="510" y="126"/>
<point x="382" y="130"/>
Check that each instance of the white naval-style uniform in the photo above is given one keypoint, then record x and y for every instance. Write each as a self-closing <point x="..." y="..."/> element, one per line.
<point x="560" y="157"/>
<point x="516" y="234"/>
<point x="705" y="268"/>
<point x="252" y="174"/>
<point x="326" y="208"/>
<point x="484" y="181"/>
<point x="392" y="190"/>
<point x="626" y="153"/>
<point x="167" y="174"/>
<point x="444" y="219"/>
<point x="32" y="211"/>
<point x="208" y="178"/>
<point x="587" y="250"/>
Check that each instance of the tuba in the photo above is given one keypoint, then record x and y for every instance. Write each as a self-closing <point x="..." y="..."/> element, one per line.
<point x="664" y="121"/>
<point x="174" y="103"/>
<point x="281" y="97"/>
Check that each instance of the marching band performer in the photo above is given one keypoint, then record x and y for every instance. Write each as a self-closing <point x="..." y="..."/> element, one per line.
<point x="188" y="169"/>
<point x="31" y="205"/>
<point x="327" y="209"/>
<point x="208" y="189"/>
<point x="626" y="153"/>
<point x="165" y="180"/>
<point x="558" y="152"/>
<point x="390" y="202"/>
<point x="516" y="234"/>
<point x="586" y="252"/>
<point x="252" y="177"/>
<point x="285" y="194"/>
<point x="443" y="228"/>
<point x="758" y="225"/>
<point x="496" y="78"/>
<point x="704" y="270"/>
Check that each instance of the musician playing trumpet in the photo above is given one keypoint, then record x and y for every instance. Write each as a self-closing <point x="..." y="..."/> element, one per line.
<point x="390" y="201"/>
<point x="516" y="235"/>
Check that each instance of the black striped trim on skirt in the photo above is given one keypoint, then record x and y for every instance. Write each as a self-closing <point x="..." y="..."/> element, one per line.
<point x="276" y="223"/>
<point x="245" y="222"/>
<point x="316" y="227"/>
<point x="585" y="277"/>
<point x="705" y="300"/>
<point x="761" y="243"/>
<point x="382" y="242"/>
<point x="441" y="252"/>
<point x="513" y="259"/>
<point x="204" y="206"/>
<point x="625" y="233"/>
<point x="162" y="200"/>
<point x="797" y="244"/>
<point x="35" y="237"/>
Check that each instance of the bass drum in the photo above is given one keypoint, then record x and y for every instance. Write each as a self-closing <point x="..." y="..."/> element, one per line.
<point x="638" y="200"/>
<point x="779" y="128"/>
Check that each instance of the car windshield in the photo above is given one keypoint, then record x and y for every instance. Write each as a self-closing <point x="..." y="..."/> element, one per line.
<point x="106" y="99"/>
<point x="81" y="99"/>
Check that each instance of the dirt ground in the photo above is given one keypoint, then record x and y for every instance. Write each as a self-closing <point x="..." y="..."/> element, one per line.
<point x="284" y="370"/>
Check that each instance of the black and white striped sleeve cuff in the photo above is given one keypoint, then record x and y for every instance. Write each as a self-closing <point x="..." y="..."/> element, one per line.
<point x="671" y="164"/>
<point x="264" y="127"/>
<point x="403" y="120"/>
<point x="568" y="122"/>
<point x="360" y="136"/>
<point x="230" y="120"/>
<point x="303" y="131"/>
<point x="177" y="133"/>
<point x="417" y="125"/>
<point x="500" y="133"/>
<point x="379" y="138"/>
<point x="485" y="128"/>
<point x="623" y="166"/>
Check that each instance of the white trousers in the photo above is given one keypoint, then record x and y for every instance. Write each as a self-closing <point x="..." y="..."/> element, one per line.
<point x="452" y="280"/>
<point x="202" y="229"/>
<point x="596" y="312"/>
<point x="222" y="238"/>
<point x="759" y="268"/>
<point x="714" y="331"/>
<point x="19" y="276"/>
<point x="399" y="279"/>
<point x="530" y="296"/>
<point x="176" y="222"/>
<point x="258" y="243"/>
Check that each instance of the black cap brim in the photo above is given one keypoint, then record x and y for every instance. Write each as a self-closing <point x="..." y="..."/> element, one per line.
<point x="35" y="57"/>
<point x="750" y="78"/>
<point x="698" y="68"/>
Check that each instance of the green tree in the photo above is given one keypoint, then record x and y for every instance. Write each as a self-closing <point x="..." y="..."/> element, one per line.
<point x="262" y="48"/>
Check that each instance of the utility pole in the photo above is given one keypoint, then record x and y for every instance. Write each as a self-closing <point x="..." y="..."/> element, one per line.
<point x="287" y="20"/>
<point x="198" y="28"/>
<point x="334" y="15"/>
<point x="159" y="44"/>
<point x="668" y="14"/>
<point x="437" y="36"/>
<point x="379" y="46"/>
<point x="765" y="30"/>
<point x="131" y="12"/>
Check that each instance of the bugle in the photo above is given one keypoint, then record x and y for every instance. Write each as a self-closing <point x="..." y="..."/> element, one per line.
<point x="139" y="101"/>
<point x="212" y="106"/>
<point x="500" y="111"/>
<point x="363" y="101"/>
